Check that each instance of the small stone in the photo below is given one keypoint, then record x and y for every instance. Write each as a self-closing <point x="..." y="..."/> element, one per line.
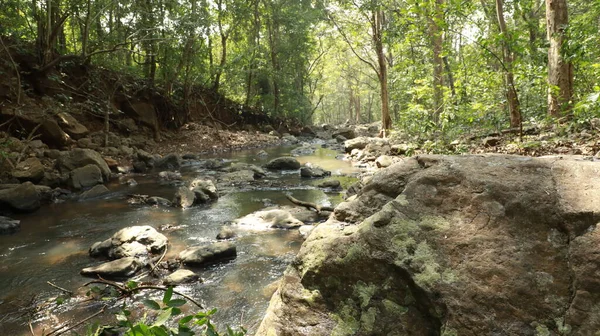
<point x="9" y="225"/>
<point x="96" y="191"/>
<point x="384" y="161"/>
<point x="184" y="198"/>
<point x="314" y="172"/>
<point x="86" y="177"/>
<point x="332" y="184"/>
<point x="283" y="163"/>
<point x="180" y="277"/>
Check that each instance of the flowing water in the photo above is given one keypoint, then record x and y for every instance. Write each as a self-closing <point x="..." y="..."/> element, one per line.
<point x="52" y="244"/>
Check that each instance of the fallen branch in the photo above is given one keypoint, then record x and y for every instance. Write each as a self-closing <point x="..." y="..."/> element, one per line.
<point x="309" y="205"/>
<point x="60" y="331"/>
<point x="59" y="288"/>
<point x="125" y="291"/>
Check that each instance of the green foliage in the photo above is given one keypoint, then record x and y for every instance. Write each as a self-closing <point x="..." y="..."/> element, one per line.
<point x="161" y="318"/>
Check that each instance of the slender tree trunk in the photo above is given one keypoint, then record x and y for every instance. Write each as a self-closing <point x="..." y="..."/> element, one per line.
<point x="560" y="71"/>
<point x="511" y="92"/>
<point x="386" y="120"/>
<point x="438" y="65"/>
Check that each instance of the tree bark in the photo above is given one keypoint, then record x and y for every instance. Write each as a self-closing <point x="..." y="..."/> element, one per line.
<point x="511" y="91"/>
<point x="377" y="22"/>
<point x="438" y="65"/>
<point x="560" y="71"/>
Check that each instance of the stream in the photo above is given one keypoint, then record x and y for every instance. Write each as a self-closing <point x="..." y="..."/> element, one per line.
<point x="53" y="242"/>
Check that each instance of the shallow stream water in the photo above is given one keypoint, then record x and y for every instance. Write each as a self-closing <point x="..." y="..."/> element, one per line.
<point x="53" y="242"/>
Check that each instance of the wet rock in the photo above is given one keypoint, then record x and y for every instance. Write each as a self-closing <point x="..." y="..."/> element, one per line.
<point x="169" y="175"/>
<point x="85" y="177"/>
<point x="340" y="139"/>
<point x="289" y="138"/>
<point x="9" y="225"/>
<point x="269" y="219"/>
<point x="112" y="163"/>
<point x="208" y="254"/>
<point x="283" y="163"/>
<point x="120" y="268"/>
<point x="78" y="158"/>
<point x="71" y="126"/>
<point x="237" y="177"/>
<point x="87" y="143"/>
<point x="305" y="230"/>
<point x="204" y="190"/>
<point x="155" y="200"/>
<point x="96" y="191"/>
<point x="134" y="241"/>
<point x="226" y="233"/>
<point x="53" y="154"/>
<point x="22" y="198"/>
<point x="363" y="142"/>
<point x="240" y="166"/>
<point x="384" y="161"/>
<point x="331" y="184"/>
<point x="304" y="150"/>
<point x="30" y="169"/>
<point x="181" y="276"/>
<point x="314" y="172"/>
<point x="126" y="151"/>
<point x="184" y="198"/>
<point x="190" y="157"/>
<point x="169" y="162"/>
<point x="262" y="153"/>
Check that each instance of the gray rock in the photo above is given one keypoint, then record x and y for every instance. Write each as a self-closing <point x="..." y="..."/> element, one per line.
<point x="304" y="150"/>
<point x="206" y="187"/>
<point x="134" y="241"/>
<point x="491" y="141"/>
<point x="169" y="175"/>
<point x="96" y="191"/>
<point x="283" y="163"/>
<point x="314" y="172"/>
<point x="262" y="153"/>
<point x="120" y="268"/>
<point x="184" y="198"/>
<point x="78" y="158"/>
<point x="85" y="177"/>
<point x="179" y="277"/>
<point x="155" y="200"/>
<point x="270" y="219"/>
<point x="237" y="177"/>
<point x="169" y="162"/>
<point x="332" y="184"/>
<point x="226" y="233"/>
<point x="9" y="225"/>
<point x="208" y="254"/>
<point x="30" y="169"/>
<point x="71" y="126"/>
<point x="384" y="161"/>
<point x="190" y="156"/>
<point x="347" y="133"/>
<point x="239" y="166"/>
<point x="23" y="198"/>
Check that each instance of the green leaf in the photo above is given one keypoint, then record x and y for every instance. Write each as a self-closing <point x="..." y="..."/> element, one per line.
<point x="163" y="317"/>
<point x="176" y="303"/>
<point x="132" y="284"/>
<point x="168" y="295"/>
<point x="151" y="304"/>
<point x="159" y="331"/>
<point x="186" y="319"/>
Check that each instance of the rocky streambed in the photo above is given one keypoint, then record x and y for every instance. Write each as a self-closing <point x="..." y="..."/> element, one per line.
<point x="178" y="206"/>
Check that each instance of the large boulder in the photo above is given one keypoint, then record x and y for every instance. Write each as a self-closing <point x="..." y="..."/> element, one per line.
<point x="204" y="191"/>
<point x="78" y="158"/>
<point x="465" y="245"/>
<point x="85" y="177"/>
<point x="283" y="163"/>
<point x="22" y="198"/>
<point x="9" y="225"/>
<point x="48" y="130"/>
<point x="208" y="254"/>
<point x="120" y="268"/>
<point x="134" y="241"/>
<point x="269" y="219"/>
<point x="362" y="142"/>
<point x="30" y="169"/>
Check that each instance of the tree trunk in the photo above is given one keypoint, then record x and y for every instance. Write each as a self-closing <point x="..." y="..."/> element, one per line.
<point x="560" y="71"/>
<point x="438" y="65"/>
<point x="511" y="92"/>
<point x="224" y="37"/>
<point x="386" y="120"/>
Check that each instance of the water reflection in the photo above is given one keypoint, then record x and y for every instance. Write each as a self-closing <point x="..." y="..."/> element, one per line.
<point x="52" y="244"/>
